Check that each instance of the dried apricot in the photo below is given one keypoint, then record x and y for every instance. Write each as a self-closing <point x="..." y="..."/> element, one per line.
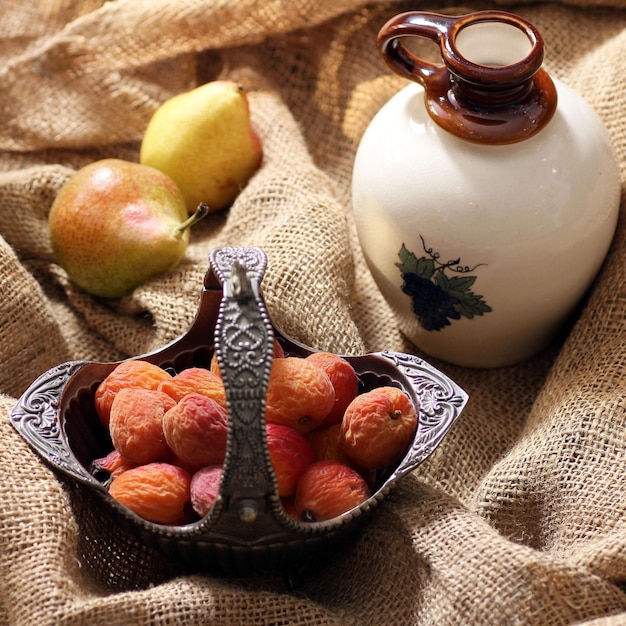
<point x="136" y="424"/>
<point x="377" y="427"/>
<point x="196" y="429"/>
<point x="327" y="446"/>
<point x="158" y="492"/>
<point x="344" y="381"/>
<point x="205" y="487"/>
<point x="290" y="454"/>
<point x="134" y="373"/>
<point x="113" y="463"/>
<point x="195" y="380"/>
<point x="299" y="394"/>
<point x="173" y="459"/>
<point x="328" y="489"/>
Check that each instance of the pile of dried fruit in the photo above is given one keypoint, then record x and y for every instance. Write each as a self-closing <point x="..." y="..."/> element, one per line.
<point x="326" y="441"/>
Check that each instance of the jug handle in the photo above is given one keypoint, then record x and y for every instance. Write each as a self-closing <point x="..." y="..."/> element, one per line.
<point x="427" y="25"/>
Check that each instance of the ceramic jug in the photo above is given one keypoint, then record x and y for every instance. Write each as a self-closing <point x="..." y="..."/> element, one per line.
<point x="485" y="192"/>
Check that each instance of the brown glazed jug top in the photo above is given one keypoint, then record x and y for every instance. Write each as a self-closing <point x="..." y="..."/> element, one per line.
<point x="491" y="87"/>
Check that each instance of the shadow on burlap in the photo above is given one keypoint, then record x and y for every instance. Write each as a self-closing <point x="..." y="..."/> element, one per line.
<point x="518" y="518"/>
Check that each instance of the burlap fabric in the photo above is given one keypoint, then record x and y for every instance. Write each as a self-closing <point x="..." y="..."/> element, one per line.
<point x="518" y="518"/>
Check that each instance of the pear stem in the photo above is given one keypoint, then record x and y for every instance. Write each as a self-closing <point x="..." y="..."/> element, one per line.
<point x="201" y="211"/>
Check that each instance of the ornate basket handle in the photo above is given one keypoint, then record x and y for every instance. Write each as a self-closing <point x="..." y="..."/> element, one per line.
<point x="244" y="345"/>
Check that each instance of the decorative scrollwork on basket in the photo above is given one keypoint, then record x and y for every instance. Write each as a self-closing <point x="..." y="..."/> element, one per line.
<point x="441" y="401"/>
<point x="36" y="416"/>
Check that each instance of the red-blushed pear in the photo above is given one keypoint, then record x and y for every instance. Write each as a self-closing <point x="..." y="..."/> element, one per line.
<point x="115" y="224"/>
<point x="203" y="139"/>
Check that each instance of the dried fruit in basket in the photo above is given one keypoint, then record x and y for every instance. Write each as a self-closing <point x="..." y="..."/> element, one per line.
<point x="195" y="380"/>
<point x="158" y="492"/>
<point x="321" y="471"/>
<point x="300" y="394"/>
<point x="377" y="427"/>
<point x="113" y="464"/>
<point x="344" y="381"/>
<point x="327" y="489"/>
<point x="290" y="454"/>
<point x="204" y="489"/>
<point x="136" y="424"/>
<point x="327" y="446"/>
<point x="196" y="430"/>
<point x="135" y="374"/>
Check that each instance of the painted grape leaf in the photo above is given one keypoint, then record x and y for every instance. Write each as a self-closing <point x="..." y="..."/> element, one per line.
<point x="456" y="284"/>
<point x="471" y="304"/>
<point x="410" y="264"/>
<point x="438" y="297"/>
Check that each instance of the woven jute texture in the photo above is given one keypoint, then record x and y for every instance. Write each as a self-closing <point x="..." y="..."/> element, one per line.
<point x="519" y="517"/>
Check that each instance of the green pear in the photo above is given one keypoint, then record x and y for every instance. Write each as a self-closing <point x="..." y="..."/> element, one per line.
<point x="204" y="141"/>
<point x="115" y="224"/>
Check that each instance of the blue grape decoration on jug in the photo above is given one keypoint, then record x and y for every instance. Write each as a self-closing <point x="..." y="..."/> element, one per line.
<point x="436" y="296"/>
